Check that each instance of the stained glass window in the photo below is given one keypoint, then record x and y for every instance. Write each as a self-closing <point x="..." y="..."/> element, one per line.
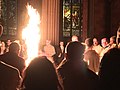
<point x="72" y="18"/>
<point x="9" y="17"/>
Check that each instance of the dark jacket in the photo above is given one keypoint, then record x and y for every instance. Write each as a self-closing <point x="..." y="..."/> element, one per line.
<point x="9" y="77"/>
<point x="40" y="75"/>
<point x="14" y="60"/>
<point x="76" y="76"/>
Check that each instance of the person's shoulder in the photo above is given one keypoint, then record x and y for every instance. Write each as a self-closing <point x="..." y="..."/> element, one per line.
<point x="62" y="64"/>
<point x="40" y="60"/>
<point x="99" y="46"/>
<point x="92" y="75"/>
<point x="10" y="68"/>
<point x="6" y="53"/>
<point x="4" y="57"/>
<point x="91" y="52"/>
<point x="21" y="58"/>
<point x="57" y="47"/>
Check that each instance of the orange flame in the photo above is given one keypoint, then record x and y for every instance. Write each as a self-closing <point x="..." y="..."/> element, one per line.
<point x="31" y="34"/>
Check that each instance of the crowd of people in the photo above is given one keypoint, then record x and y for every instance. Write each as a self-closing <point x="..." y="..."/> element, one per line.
<point x="88" y="65"/>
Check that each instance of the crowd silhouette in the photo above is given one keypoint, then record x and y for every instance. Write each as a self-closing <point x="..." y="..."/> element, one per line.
<point x="88" y="65"/>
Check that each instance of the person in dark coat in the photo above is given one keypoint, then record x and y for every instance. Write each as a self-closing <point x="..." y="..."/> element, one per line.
<point x="109" y="73"/>
<point x="10" y="78"/>
<point x="74" y="71"/>
<point x="41" y="75"/>
<point x="59" y="55"/>
<point x="12" y="57"/>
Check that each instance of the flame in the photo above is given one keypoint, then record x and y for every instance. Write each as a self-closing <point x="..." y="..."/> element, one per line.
<point x="31" y="34"/>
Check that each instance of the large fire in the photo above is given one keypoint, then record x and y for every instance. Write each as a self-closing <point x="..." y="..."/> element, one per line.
<point x="31" y="34"/>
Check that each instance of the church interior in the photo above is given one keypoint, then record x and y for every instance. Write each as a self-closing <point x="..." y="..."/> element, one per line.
<point x="60" y="19"/>
<point x="59" y="44"/>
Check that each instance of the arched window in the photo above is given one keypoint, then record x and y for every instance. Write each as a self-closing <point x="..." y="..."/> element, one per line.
<point x="72" y="18"/>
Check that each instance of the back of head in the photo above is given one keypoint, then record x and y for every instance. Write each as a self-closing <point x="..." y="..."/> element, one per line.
<point x="75" y="50"/>
<point x="89" y="42"/>
<point x="76" y="74"/>
<point x="113" y="39"/>
<point x="14" y="47"/>
<point x="40" y="75"/>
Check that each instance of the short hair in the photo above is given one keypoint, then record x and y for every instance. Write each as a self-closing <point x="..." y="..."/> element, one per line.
<point x="75" y="50"/>
<point x="40" y="75"/>
<point x="14" y="47"/>
<point x="89" y="42"/>
<point x="74" y="38"/>
<point x="114" y="38"/>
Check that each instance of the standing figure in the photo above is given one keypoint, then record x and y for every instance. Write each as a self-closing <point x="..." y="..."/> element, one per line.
<point x="73" y="39"/>
<point x="112" y="42"/>
<point x="105" y="47"/>
<point x="96" y="46"/>
<point x="3" y="48"/>
<point x="59" y="56"/>
<point x="91" y="56"/>
<point x="74" y="72"/>
<point x="8" y="44"/>
<point x="109" y="74"/>
<point x="41" y="75"/>
<point x="49" y="50"/>
<point x="12" y="57"/>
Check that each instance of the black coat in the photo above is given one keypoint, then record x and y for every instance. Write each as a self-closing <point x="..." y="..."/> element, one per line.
<point x="76" y="76"/>
<point x="14" y="60"/>
<point x="9" y="77"/>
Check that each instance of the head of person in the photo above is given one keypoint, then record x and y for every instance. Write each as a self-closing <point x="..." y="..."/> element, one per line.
<point x="61" y="43"/>
<point x="104" y="42"/>
<point x="95" y="42"/>
<point x="14" y="47"/>
<point x="9" y="42"/>
<point x="88" y="42"/>
<point x="75" y="51"/>
<point x="48" y="42"/>
<point x="113" y="40"/>
<point x="40" y="75"/>
<point x="74" y="38"/>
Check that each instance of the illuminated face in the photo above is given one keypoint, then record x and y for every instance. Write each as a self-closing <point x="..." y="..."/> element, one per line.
<point x="111" y="40"/>
<point x="8" y="42"/>
<point x="48" y="42"/>
<point x="104" y="42"/>
<point x="61" y="43"/>
<point x="95" y="42"/>
<point x="74" y="38"/>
